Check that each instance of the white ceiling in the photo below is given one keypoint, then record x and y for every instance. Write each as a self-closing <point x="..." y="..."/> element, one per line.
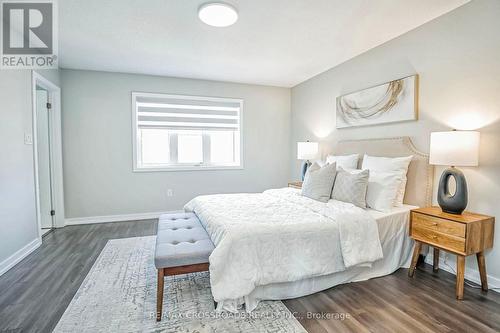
<point x="274" y="42"/>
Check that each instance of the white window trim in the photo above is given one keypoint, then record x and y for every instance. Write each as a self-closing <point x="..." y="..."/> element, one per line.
<point x="135" y="138"/>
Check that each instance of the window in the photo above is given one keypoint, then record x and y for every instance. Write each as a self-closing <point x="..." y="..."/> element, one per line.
<point x="175" y="132"/>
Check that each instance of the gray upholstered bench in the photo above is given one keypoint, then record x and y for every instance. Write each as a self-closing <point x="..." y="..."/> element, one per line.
<point x="182" y="246"/>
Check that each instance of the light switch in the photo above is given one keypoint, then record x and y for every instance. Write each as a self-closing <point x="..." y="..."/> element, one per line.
<point x="28" y="139"/>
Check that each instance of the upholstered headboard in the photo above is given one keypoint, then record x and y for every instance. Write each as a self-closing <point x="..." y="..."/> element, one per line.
<point x="420" y="172"/>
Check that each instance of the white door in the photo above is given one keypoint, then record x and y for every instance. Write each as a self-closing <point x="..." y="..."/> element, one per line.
<point x="43" y="148"/>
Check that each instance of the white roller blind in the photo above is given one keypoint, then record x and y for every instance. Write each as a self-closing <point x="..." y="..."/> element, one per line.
<point x="181" y="112"/>
<point x="177" y="132"/>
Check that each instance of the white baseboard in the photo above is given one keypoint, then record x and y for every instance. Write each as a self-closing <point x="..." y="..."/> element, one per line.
<point x="471" y="274"/>
<point x="19" y="255"/>
<point x="115" y="218"/>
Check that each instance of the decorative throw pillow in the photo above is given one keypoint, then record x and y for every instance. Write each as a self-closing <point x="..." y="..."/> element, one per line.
<point x="388" y="164"/>
<point x="344" y="161"/>
<point x="351" y="187"/>
<point x="318" y="182"/>
<point x="382" y="190"/>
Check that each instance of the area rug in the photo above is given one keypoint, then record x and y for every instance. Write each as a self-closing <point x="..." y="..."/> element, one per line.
<point x="119" y="295"/>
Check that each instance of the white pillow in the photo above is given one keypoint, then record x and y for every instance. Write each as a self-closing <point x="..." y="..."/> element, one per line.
<point x="345" y="162"/>
<point x="388" y="164"/>
<point x="382" y="190"/>
<point x="318" y="182"/>
<point x="351" y="186"/>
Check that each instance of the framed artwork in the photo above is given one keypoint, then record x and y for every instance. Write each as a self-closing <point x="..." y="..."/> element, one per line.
<point x="390" y="102"/>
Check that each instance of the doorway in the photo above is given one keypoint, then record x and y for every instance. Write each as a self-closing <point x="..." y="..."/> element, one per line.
<point x="43" y="108"/>
<point x="47" y="155"/>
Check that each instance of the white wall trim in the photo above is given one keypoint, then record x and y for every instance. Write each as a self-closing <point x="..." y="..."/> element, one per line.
<point x="19" y="255"/>
<point x="55" y="150"/>
<point x="471" y="274"/>
<point x="116" y="218"/>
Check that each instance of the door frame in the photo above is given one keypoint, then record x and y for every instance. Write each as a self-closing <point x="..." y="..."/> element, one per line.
<point x="55" y="134"/>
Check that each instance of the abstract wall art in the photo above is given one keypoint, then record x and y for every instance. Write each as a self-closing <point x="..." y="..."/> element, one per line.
<point x="390" y="102"/>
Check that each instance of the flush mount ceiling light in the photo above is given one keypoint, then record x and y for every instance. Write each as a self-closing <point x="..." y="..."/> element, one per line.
<point x="218" y="14"/>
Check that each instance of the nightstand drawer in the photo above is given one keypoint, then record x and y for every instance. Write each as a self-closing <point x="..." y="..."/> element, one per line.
<point x="432" y="237"/>
<point x="437" y="224"/>
<point x="297" y="184"/>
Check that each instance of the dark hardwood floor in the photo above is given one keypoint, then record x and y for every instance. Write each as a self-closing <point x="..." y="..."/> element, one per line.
<point x="35" y="293"/>
<point x="397" y="303"/>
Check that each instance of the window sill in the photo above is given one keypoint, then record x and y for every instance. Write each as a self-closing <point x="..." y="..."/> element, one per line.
<point x="187" y="168"/>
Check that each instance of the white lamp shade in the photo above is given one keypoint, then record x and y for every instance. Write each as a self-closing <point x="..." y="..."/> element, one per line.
<point x="455" y="148"/>
<point x="307" y="150"/>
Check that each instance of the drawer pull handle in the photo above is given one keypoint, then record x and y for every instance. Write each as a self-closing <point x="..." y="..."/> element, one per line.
<point x="435" y="224"/>
<point x="435" y="237"/>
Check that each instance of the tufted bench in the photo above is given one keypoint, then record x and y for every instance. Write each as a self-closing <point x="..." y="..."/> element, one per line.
<point x="182" y="246"/>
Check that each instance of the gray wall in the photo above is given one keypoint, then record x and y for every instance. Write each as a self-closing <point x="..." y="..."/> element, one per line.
<point x="458" y="59"/>
<point x="53" y="75"/>
<point x="18" y="225"/>
<point x="97" y="144"/>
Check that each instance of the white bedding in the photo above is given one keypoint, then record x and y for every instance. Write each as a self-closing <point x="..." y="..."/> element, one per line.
<point x="396" y="245"/>
<point x="280" y="237"/>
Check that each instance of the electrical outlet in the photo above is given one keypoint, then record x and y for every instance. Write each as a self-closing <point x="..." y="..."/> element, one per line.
<point x="170" y="192"/>
<point x="28" y="139"/>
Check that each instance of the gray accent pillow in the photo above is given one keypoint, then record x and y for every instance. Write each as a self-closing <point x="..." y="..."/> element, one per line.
<point x="351" y="187"/>
<point x="318" y="182"/>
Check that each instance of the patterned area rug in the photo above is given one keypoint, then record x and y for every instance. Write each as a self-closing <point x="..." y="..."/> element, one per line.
<point x="119" y="295"/>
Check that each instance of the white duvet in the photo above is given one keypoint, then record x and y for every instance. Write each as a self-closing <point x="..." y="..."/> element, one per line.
<point x="280" y="236"/>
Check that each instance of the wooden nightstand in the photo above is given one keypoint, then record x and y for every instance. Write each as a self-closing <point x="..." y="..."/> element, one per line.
<point x="295" y="184"/>
<point x="462" y="235"/>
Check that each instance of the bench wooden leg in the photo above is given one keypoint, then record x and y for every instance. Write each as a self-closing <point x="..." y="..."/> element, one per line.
<point x="162" y="272"/>
<point x="159" y="294"/>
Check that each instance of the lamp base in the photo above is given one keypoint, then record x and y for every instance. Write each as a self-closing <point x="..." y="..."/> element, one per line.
<point x="457" y="202"/>
<point x="305" y="165"/>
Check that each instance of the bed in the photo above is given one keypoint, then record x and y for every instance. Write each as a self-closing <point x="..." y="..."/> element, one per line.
<point x="278" y="245"/>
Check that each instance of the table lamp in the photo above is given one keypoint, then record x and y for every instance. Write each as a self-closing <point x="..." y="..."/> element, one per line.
<point x="306" y="151"/>
<point x="454" y="148"/>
